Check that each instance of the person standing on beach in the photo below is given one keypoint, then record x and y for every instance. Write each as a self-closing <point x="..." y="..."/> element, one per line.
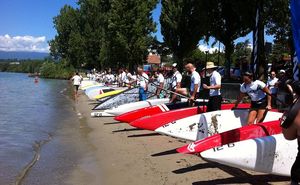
<point x="271" y="84"/>
<point x="76" y="82"/>
<point x="142" y="81"/>
<point x="160" y="79"/>
<point x="260" y="102"/>
<point x="215" y="98"/>
<point x="194" y="88"/>
<point x="285" y="90"/>
<point x="175" y="81"/>
<point x="122" y="77"/>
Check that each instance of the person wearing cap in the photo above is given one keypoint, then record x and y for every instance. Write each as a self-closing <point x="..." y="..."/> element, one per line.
<point x="215" y="98"/>
<point x="194" y="88"/>
<point x="175" y="81"/>
<point x="260" y="101"/>
<point x="285" y="90"/>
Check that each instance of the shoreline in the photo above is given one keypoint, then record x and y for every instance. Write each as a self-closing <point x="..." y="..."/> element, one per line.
<point x="124" y="155"/>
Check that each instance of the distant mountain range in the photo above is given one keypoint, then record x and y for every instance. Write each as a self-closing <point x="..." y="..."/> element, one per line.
<point x="22" y="55"/>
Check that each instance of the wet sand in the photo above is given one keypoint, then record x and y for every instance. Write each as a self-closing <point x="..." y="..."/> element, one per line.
<point x="124" y="156"/>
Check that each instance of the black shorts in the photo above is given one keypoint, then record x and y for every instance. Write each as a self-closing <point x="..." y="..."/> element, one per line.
<point x="214" y="103"/>
<point x="260" y="104"/>
<point x="295" y="171"/>
<point x="76" y="87"/>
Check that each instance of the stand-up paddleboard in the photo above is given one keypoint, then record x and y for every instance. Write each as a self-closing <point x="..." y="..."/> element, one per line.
<point x="127" y="96"/>
<point x="86" y="83"/>
<point x="87" y="90"/>
<point x="111" y="93"/>
<point x="92" y="86"/>
<point x="159" y="120"/>
<point x="149" y="111"/>
<point x="203" y="125"/>
<point x="231" y="136"/>
<point x="271" y="154"/>
<point x="135" y="105"/>
<point x="91" y="94"/>
<point x="101" y="114"/>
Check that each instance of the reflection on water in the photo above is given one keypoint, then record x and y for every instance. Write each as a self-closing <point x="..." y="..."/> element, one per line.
<point x="29" y="113"/>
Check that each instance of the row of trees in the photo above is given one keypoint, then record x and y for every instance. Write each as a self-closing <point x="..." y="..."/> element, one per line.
<point x="102" y="33"/>
<point x="184" y="23"/>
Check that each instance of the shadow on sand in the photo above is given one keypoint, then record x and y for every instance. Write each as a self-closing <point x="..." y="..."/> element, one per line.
<point x="239" y="176"/>
<point x="145" y="135"/>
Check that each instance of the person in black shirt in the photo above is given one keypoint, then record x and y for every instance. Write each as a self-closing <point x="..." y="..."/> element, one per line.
<point x="290" y="124"/>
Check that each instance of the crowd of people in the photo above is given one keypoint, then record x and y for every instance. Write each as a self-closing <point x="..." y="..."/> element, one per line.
<point x="278" y="92"/>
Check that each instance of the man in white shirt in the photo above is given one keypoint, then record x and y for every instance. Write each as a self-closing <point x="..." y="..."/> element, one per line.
<point x="271" y="84"/>
<point x="175" y="81"/>
<point x="259" y="100"/>
<point x="142" y="81"/>
<point x="76" y="82"/>
<point x="122" y="78"/>
<point x="160" y="80"/>
<point x="215" y="98"/>
<point x="194" y="88"/>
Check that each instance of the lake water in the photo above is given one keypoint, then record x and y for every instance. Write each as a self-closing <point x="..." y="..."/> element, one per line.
<point x="38" y="120"/>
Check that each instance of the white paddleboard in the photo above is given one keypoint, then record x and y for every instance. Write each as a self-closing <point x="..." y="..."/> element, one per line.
<point x="101" y="114"/>
<point x="96" y="91"/>
<point x="271" y="154"/>
<point x="135" y="105"/>
<point x="86" y="83"/>
<point x="203" y="125"/>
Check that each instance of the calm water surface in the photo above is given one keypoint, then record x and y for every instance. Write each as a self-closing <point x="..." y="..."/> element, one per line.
<point x="38" y="113"/>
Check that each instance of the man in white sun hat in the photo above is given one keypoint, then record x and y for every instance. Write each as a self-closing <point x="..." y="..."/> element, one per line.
<point x="215" y="98"/>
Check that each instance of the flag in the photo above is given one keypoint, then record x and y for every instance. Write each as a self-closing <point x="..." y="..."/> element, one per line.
<point x="258" y="59"/>
<point x="295" y="16"/>
<point x="255" y="43"/>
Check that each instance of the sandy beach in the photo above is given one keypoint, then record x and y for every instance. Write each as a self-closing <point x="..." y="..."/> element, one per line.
<point x="125" y="156"/>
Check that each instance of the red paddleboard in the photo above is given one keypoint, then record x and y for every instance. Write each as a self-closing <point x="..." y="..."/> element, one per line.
<point x="225" y="138"/>
<point x="155" y="121"/>
<point x="149" y="111"/>
<point x="139" y="113"/>
<point x="153" y="110"/>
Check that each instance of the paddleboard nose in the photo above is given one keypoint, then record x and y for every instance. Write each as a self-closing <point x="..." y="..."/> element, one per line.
<point x="123" y="118"/>
<point x="142" y="124"/>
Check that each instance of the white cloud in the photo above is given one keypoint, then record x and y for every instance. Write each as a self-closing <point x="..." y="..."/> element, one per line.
<point x="204" y="47"/>
<point x="23" y="43"/>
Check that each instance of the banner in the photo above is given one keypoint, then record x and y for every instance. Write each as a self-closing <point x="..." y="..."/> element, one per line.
<point x="295" y="16"/>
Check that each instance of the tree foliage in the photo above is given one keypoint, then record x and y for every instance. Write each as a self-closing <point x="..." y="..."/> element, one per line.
<point x="104" y="33"/>
<point x="183" y="25"/>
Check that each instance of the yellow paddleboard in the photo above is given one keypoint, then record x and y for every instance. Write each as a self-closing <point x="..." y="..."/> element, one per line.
<point x="110" y="93"/>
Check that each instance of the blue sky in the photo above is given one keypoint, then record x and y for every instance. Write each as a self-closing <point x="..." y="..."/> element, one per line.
<point x="28" y="24"/>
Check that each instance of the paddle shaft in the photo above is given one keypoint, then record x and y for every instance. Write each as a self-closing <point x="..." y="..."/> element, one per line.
<point x="168" y="91"/>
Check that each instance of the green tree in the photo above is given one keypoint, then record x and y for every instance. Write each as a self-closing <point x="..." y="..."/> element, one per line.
<point x="66" y="42"/>
<point x="278" y="22"/>
<point x="231" y="20"/>
<point x="183" y="24"/>
<point x="130" y="25"/>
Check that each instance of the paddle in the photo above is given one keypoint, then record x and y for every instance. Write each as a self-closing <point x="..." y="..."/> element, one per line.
<point x="168" y="91"/>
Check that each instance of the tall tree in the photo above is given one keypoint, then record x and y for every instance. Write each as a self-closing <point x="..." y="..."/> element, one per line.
<point x="183" y="24"/>
<point x="231" y="19"/>
<point x="278" y="22"/>
<point x="65" y="44"/>
<point x="130" y="25"/>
